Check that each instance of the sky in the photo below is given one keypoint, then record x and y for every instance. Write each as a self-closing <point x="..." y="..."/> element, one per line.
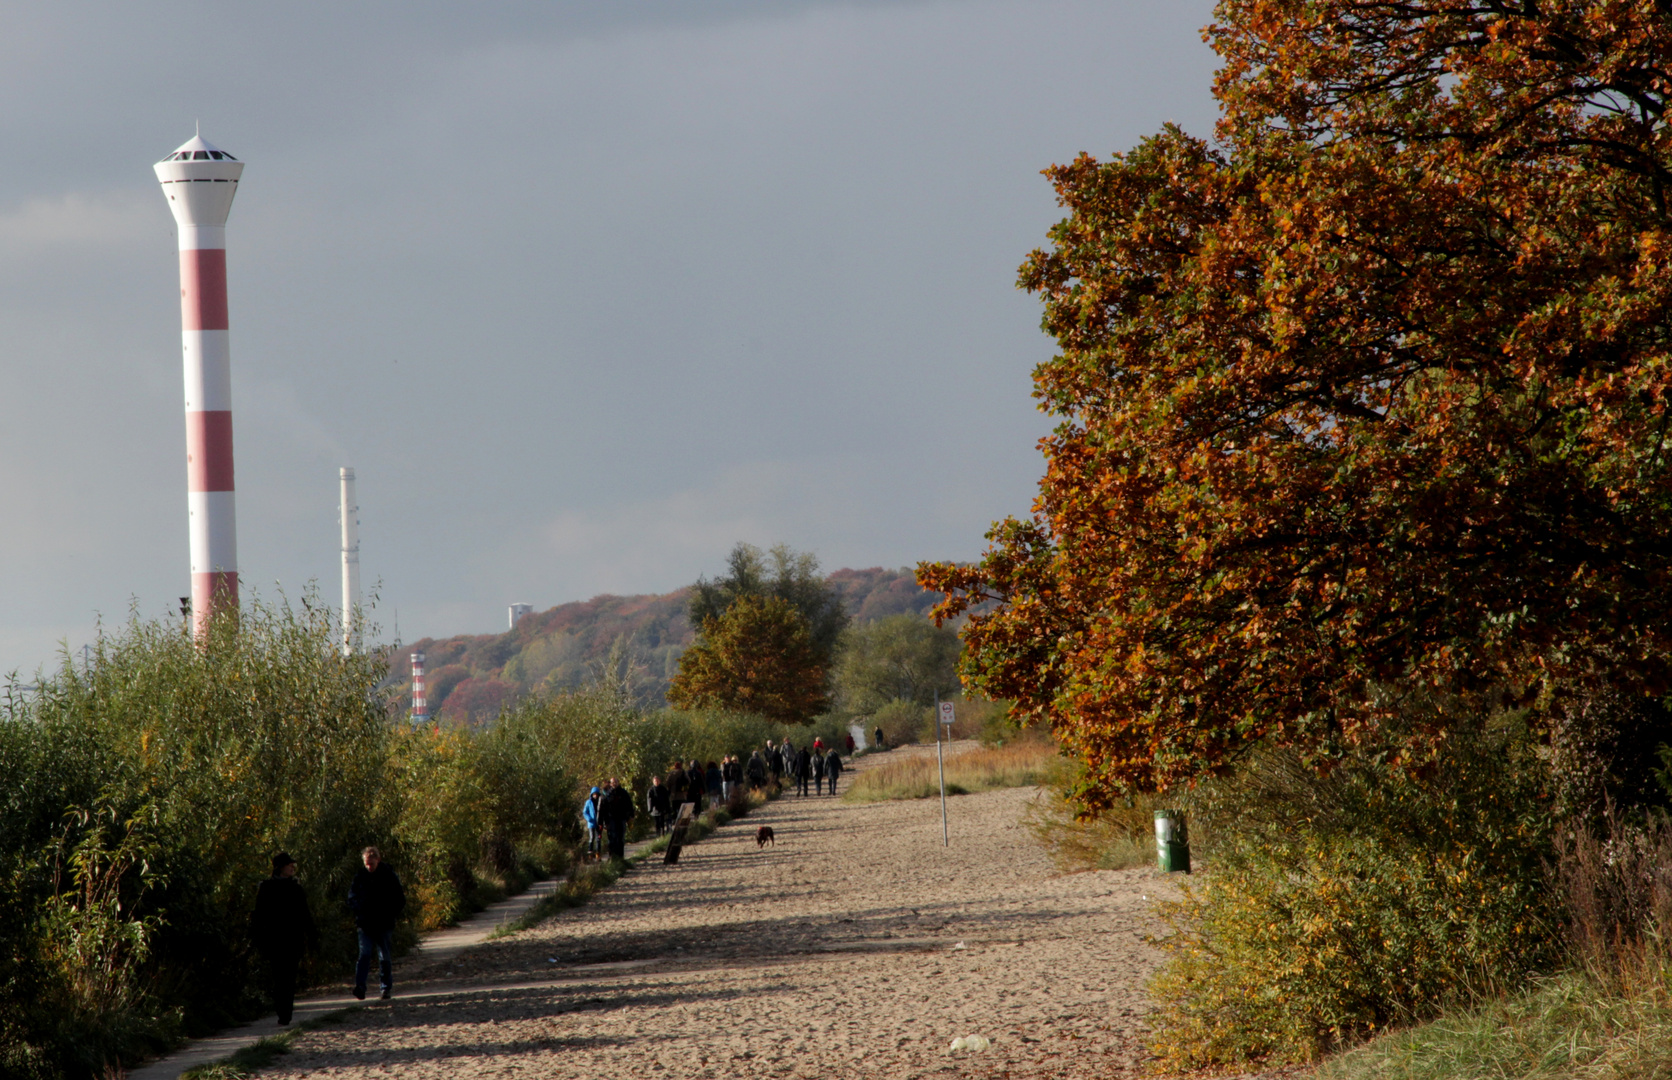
<point x="585" y="293"/>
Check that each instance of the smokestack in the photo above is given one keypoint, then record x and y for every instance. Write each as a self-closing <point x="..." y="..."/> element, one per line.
<point x="351" y="560"/>
<point x="420" y="703"/>
<point x="200" y="181"/>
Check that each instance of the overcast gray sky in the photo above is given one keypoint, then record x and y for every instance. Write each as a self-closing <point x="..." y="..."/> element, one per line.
<point x="585" y="292"/>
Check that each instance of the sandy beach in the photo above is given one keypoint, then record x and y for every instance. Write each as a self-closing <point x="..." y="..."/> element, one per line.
<point x="856" y="946"/>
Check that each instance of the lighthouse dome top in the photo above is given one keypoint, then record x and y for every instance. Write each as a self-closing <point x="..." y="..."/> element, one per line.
<point x="197" y="148"/>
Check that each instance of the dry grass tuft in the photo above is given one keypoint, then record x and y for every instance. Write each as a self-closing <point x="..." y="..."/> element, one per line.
<point x="1020" y="764"/>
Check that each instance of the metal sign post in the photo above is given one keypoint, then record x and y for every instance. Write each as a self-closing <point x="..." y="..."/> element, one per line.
<point x="943" y="715"/>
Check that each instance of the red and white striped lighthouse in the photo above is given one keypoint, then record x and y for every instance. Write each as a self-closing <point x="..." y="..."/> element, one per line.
<point x="420" y="703"/>
<point x="200" y="181"/>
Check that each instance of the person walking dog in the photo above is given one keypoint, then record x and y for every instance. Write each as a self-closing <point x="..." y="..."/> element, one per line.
<point x="282" y="927"/>
<point x="377" y="900"/>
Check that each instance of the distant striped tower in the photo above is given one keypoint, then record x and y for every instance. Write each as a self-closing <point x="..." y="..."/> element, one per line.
<point x="420" y="703"/>
<point x="200" y="181"/>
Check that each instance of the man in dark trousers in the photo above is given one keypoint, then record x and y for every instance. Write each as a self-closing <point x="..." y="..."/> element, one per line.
<point x="618" y="810"/>
<point x="377" y="900"/>
<point x="803" y="769"/>
<point x="657" y="802"/>
<point x="832" y="769"/>
<point x="282" y="927"/>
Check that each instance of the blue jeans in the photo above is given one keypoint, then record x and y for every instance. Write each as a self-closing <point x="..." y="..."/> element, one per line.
<point x="384" y="946"/>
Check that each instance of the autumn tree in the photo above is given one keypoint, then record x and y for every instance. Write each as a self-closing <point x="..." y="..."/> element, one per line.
<point x="782" y="572"/>
<point x="1362" y="405"/>
<point x="758" y="656"/>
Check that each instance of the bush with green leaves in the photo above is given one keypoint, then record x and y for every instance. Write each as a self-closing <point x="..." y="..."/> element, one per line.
<point x="143" y="791"/>
<point x="1344" y="902"/>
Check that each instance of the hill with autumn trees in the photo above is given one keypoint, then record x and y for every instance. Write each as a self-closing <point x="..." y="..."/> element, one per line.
<point x="471" y="677"/>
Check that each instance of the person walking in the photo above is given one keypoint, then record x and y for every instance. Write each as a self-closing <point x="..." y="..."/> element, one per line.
<point x="377" y="900"/>
<point x="803" y="770"/>
<point x="848" y="738"/>
<point x="774" y="762"/>
<point x="882" y="744"/>
<point x="756" y="770"/>
<point x="282" y="927"/>
<point x="617" y="811"/>
<point x="694" y="784"/>
<point x="678" y="785"/>
<point x="818" y="768"/>
<point x="832" y="769"/>
<point x="657" y="802"/>
<point x="716" y="783"/>
<point x="594" y="825"/>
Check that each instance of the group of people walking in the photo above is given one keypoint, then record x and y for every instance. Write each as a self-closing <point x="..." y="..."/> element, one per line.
<point x="283" y="927"/>
<point x="814" y="766"/>
<point x="607" y="812"/>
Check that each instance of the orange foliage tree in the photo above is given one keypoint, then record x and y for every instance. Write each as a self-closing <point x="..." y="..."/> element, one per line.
<point x="758" y="656"/>
<point x="1363" y="404"/>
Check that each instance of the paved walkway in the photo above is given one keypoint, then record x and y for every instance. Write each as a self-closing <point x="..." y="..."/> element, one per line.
<point x="440" y="947"/>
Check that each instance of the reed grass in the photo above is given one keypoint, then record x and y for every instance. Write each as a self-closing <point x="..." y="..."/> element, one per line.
<point x="1020" y="764"/>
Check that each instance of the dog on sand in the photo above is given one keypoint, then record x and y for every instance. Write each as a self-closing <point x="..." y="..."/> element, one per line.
<point x="763" y="837"/>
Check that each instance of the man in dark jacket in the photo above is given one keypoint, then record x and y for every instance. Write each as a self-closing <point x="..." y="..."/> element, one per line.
<point x="756" y="770"/>
<point x="282" y="927"/>
<point x="377" y="900"/>
<point x="832" y="769"/>
<point x="617" y="811"/>
<point x="803" y="769"/>
<point x="657" y="802"/>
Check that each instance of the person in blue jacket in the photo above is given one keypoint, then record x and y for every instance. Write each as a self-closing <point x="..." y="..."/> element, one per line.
<point x="594" y="827"/>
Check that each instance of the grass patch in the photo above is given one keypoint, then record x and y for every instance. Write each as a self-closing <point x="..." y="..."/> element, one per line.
<point x="1020" y="764"/>
<point x="1565" y="1026"/>
<point x="583" y="882"/>
<point x="246" y="1062"/>
<point x="1120" y="839"/>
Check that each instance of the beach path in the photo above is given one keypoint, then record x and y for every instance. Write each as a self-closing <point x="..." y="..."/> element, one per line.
<point x="855" y="946"/>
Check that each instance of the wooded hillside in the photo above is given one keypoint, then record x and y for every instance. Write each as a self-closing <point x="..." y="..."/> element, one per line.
<point x="472" y="676"/>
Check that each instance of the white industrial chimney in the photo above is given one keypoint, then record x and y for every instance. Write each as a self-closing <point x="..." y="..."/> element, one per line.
<point x="351" y="560"/>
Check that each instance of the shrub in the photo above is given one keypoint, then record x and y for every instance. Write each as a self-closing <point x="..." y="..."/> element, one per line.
<point x="1342" y="904"/>
<point x="1117" y="839"/>
<point x="141" y="795"/>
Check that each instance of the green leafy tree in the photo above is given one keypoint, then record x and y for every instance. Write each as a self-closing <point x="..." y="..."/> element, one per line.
<point x="900" y="658"/>
<point x="784" y="573"/>
<point x="760" y="657"/>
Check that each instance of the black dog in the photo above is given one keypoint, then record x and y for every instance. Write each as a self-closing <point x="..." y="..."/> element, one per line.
<point x="763" y="837"/>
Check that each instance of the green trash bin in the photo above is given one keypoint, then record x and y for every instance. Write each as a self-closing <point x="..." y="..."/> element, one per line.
<point x="1172" y="842"/>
